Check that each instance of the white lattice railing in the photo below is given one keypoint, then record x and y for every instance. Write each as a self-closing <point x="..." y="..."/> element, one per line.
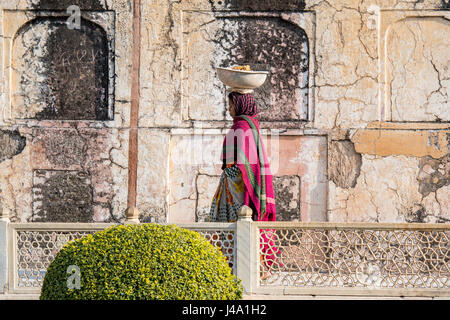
<point x="221" y="235"/>
<point x="361" y="259"/>
<point x="307" y="258"/>
<point x="33" y="246"/>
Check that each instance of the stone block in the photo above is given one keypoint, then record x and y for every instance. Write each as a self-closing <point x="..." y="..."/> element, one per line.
<point x="153" y="175"/>
<point x="206" y="187"/>
<point x="385" y="142"/>
<point x="11" y="144"/>
<point x="287" y="198"/>
<point x="62" y="196"/>
<point x="344" y="163"/>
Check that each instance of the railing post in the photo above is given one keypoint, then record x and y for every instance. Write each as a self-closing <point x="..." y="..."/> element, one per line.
<point x="132" y="216"/>
<point x="245" y="250"/>
<point x="4" y="221"/>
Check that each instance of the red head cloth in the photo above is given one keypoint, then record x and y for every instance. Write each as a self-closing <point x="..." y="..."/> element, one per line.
<point x="244" y="104"/>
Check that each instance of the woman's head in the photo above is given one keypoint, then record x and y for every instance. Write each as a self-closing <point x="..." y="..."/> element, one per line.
<point x="242" y="104"/>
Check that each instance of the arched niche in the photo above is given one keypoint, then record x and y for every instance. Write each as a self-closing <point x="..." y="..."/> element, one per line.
<point x="417" y="73"/>
<point x="59" y="73"/>
<point x="272" y="44"/>
<point x="282" y="43"/>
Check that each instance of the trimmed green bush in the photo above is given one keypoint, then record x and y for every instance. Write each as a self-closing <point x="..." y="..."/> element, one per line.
<point x="147" y="261"/>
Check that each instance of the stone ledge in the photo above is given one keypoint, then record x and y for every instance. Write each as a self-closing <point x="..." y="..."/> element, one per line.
<point x="408" y="125"/>
<point x="402" y="141"/>
<point x="265" y="297"/>
<point x="316" y="297"/>
<point x="19" y="296"/>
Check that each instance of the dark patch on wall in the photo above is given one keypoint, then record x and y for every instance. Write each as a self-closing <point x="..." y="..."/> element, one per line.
<point x="62" y="196"/>
<point x="287" y="198"/>
<point x="77" y="72"/>
<point x="344" y="163"/>
<point x="64" y="4"/>
<point x="258" y="5"/>
<point x="201" y="214"/>
<point x="153" y="215"/>
<point x="445" y="4"/>
<point x="419" y="214"/>
<point x="64" y="147"/>
<point x="416" y="214"/>
<point x="11" y="144"/>
<point x="277" y="46"/>
<point x="433" y="174"/>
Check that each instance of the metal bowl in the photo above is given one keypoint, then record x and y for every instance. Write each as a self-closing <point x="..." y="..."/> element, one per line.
<point x="241" y="80"/>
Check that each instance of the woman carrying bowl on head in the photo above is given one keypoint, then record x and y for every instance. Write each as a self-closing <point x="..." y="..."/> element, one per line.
<point x="246" y="178"/>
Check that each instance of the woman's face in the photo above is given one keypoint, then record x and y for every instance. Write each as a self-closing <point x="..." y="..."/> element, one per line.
<point x="231" y="108"/>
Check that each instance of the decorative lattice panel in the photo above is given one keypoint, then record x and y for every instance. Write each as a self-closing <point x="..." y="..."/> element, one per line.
<point x="224" y="239"/>
<point x="355" y="258"/>
<point x="36" y="250"/>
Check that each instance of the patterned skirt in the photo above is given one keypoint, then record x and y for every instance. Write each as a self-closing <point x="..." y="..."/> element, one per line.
<point x="229" y="196"/>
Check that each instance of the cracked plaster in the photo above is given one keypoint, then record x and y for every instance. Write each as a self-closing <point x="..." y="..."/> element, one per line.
<point x="344" y="95"/>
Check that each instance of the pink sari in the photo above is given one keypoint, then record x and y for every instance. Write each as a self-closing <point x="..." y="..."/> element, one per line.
<point x="244" y="140"/>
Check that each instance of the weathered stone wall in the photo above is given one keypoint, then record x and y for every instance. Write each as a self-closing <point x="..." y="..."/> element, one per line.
<point x="355" y="112"/>
<point x="65" y="96"/>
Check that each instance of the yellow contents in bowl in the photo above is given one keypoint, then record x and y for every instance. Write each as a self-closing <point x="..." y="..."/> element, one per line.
<point x="245" y="68"/>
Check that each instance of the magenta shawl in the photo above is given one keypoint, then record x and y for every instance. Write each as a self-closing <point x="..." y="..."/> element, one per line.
<point x="244" y="140"/>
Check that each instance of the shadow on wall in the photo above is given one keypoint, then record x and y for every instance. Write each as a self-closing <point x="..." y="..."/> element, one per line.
<point x="64" y="4"/>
